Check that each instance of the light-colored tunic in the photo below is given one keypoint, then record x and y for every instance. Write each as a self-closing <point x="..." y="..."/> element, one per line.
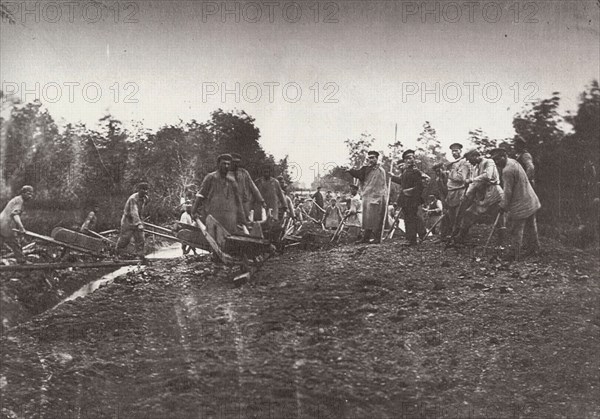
<point x="249" y="193"/>
<point x="460" y="171"/>
<point x="520" y="200"/>
<point x="270" y="189"/>
<point x="355" y="218"/>
<point x="222" y="200"/>
<point x="7" y="223"/>
<point x="374" y="192"/>
<point x="131" y="212"/>
<point x="485" y="188"/>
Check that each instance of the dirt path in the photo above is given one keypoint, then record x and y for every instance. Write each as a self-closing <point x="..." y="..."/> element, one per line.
<point x="368" y="331"/>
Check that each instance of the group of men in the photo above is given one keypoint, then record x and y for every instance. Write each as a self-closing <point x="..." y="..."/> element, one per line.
<point x="472" y="186"/>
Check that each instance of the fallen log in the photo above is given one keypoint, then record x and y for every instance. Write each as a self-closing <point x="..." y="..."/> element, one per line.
<point x="65" y="265"/>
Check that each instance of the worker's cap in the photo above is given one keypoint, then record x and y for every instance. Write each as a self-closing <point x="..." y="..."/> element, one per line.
<point x="26" y="188"/>
<point x="373" y="153"/>
<point x="498" y="152"/>
<point x="236" y="157"/>
<point x="224" y="157"/>
<point x="187" y="204"/>
<point x="431" y="196"/>
<point x="456" y="146"/>
<point x="143" y="186"/>
<point x="407" y="153"/>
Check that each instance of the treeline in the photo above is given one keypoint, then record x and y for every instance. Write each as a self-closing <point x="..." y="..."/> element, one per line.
<point x="72" y="168"/>
<point x="565" y="148"/>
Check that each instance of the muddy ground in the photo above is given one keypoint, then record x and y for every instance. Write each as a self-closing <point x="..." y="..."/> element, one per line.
<point x="357" y="331"/>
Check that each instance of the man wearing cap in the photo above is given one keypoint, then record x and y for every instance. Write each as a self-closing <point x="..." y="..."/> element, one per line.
<point x="249" y="193"/>
<point x="219" y="196"/>
<point x="483" y="195"/>
<point x="459" y="171"/>
<point x="131" y="221"/>
<point x="374" y="191"/>
<point x="10" y="218"/>
<point x="270" y="189"/>
<point x="525" y="159"/>
<point x="519" y="201"/>
<point x="409" y="199"/>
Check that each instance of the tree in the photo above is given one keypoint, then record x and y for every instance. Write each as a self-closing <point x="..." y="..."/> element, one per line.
<point x="236" y="133"/>
<point x="539" y="126"/>
<point x="428" y="143"/>
<point x="481" y="141"/>
<point x="358" y="149"/>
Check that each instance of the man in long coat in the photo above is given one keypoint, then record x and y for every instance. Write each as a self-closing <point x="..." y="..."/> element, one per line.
<point x="519" y="201"/>
<point x="219" y="196"/>
<point x="484" y="193"/>
<point x="131" y="221"/>
<point x="249" y="193"/>
<point x="10" y="218"/>
<point x="270" y="189"/>
<point x="374" y="191"/>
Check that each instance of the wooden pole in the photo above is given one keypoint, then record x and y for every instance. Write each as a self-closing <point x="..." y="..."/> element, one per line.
<point x="64" y="265"/>
<point x="389" y="188"/>
<point x="58" y="243"/>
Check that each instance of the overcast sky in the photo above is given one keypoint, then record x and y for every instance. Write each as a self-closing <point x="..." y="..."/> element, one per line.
<point x="361" y="66"/>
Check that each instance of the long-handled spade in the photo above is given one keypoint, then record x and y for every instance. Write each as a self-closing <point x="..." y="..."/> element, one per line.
<point x="491" y="232"/>
<point x="338" y="231"/>
<point x="433" y="226"/>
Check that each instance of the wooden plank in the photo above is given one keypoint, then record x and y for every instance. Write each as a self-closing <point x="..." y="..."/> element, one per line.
<point x="42" y="266"/>
<point x="227" y="259"/>
<point x="100" y="236"/>
<point x="159" y="228"/>
<point x="156" y="233"/>
<point x="57" y="243"/>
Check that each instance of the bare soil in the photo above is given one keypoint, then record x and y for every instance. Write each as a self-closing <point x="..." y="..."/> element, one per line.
<point x="355" y="331"/>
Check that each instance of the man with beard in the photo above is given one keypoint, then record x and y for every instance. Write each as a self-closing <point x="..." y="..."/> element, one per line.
<point x="131" y="222"/>
<point x="270" y="189"/>
<point x="483" y="195"/>
<point x="374" y="192"/>
<point x="219" y="196"/>
<point x="519" y="201"/>
<point x="249" y="193"/>
<point x="10" y="218"/>
<point x="458" y="172"/>
<point x="411" y="182"/>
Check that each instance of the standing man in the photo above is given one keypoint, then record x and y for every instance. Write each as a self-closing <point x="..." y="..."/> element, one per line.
<point x="249" y="193"/>
<point x="409" y="199"/>
<point x="318" y="210"/>
<point x="459" y="171"/>
<point x="520" y="202"/>
<point x="10" y="218"/>
<point x="333" y="215"/>
<point x="219" y="196"/>
<point x="270" y="189"/>
<point x="525" y="159"/>
<point x="483" y="195"/>
<point x="131" y="221"/>
<point x="374" y="192"/>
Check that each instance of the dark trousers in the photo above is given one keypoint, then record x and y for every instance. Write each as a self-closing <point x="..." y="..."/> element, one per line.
<point x="414" y="224"/>
<point x="13" y="244"/>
